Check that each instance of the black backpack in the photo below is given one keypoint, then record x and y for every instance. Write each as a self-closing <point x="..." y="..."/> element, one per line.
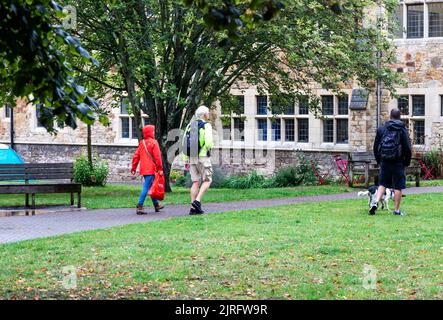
<point x="390" y="145"/>
<point x="193" y="130"/>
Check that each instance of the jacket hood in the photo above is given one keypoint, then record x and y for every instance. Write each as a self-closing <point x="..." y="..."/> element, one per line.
<point x="395" y="125"/>
<point x="149" y="132"/>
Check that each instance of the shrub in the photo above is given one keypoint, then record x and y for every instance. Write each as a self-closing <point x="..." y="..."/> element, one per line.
<point x="87" y="175"/>
<point x="287" y="177"/>
<point x="252" y="180"/>
<point x="434" y="159"/>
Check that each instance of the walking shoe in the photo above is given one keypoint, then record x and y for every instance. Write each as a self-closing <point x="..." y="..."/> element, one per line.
<point x="140" y="210"/>
<point x="398" y="213"/>
<point x="158" y="207"/>
<point x="197" y="206"/>
<point x="193" y="212"/>
<point x="373" y="209"/>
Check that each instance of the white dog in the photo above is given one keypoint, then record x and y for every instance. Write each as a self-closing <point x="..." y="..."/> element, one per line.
<point x="371" y="193"/>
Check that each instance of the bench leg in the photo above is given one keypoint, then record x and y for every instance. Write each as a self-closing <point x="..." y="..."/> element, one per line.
<point x="79" y="200"/>
<point x="33" y="204"/>
<point x="27" y="200"/>
<point x="367" y="176"/>
<point x="72" y="199"/>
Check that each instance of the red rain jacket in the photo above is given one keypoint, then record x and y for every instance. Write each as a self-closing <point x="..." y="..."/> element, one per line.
<point x="147" y="167"/>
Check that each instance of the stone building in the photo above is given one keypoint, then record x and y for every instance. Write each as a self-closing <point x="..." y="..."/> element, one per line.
<point x="258" y="140"/>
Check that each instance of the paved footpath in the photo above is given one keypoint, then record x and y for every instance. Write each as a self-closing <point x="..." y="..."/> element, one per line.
<point x="17" y="228"/>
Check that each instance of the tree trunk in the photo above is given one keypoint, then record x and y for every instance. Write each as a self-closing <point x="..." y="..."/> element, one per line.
<point x="166" y="169"/>
<point x="89" y="144"/>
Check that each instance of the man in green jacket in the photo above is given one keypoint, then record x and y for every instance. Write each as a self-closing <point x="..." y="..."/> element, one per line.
<point x="198" y="142"/>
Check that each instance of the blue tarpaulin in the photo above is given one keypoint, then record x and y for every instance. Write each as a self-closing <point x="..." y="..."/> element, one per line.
<point x="9" y="156"/>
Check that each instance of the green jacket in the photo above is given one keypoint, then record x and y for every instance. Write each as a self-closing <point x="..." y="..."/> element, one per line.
<point x="206" y="140"/>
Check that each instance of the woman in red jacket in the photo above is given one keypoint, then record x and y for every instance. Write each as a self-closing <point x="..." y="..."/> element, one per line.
<point x="149" y="156"/>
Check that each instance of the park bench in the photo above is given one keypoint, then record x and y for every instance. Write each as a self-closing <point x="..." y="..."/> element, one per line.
<point x="363" y="163"/>
<point x="39" y="178"/>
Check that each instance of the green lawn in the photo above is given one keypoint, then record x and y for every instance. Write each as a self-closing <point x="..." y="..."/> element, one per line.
<point x="113" y="196"/>
<point x="304" y="251"/>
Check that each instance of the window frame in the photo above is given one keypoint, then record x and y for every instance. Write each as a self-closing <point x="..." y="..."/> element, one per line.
<point x="258" y="107"/>
<point x="411" y="119"/>
<point x="264" y="134"/>
<point x="427" y="32"/>
<point x="299" y="140"/>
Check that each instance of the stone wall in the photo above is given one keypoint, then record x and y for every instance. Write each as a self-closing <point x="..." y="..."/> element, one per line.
<point x="242" y="161"/>
<point x="232" y="161"/>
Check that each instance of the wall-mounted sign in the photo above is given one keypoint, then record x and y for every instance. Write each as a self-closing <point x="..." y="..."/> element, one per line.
<point x="359" y="99"/>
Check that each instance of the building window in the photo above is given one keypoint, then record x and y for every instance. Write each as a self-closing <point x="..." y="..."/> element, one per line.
<point x="125" y="128"/>
<point x="241" y="103"/>
<point x="303" y="130"/>
<point x="328" y="130"/>
<point x="416" y="26"/>
<point x="262" y="105"/>
<point x="276" y="130"/>
<point x="327" y="103"/>
<point x="239" y="129"/>
<point x="335" y="124"/>
<point x="303" y="105"/>
<point x="289" y="130"/>
<point x="290" y="109"/>
<point x="403" y="104"/>
<point x="342" y="130"/>
<point x="226" y="127"/>
<point x="414" y="105"/>
<point x="435" y="14"/>
<point x="7" y="111"/>
<point x="419" y="132"/>
<point x="415" y="23"/>
<point x="418" y="105"/>
<point x="134" y="129"/>
<point x="127" y="121"/>
<point x="262" y="129"/>
<point x="37" y="115"/>
<point x="343" y="104"/>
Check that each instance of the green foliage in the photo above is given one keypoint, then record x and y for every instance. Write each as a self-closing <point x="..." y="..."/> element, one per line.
<point x="175" y="175"/>
<point x="33" y="63"/>
<point x="232" y="15"/>
<point x="434" y="159"/>
<point x="88" y="174"/>
<point x="250" y="181"/>
<point x="287" y="177"/>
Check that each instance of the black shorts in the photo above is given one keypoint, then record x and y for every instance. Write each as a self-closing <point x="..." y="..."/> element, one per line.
<point x="392" y="175"/>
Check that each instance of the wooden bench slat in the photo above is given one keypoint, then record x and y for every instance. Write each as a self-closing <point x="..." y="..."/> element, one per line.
<point x="37" y="165"/>
<point x="40" y="188"/>
<point x="42" y="176"/>
<point x="35" y="171"/>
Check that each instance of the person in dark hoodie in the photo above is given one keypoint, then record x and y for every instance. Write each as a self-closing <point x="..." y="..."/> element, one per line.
<point x="149" y="156"/>
<point x="392" y="151"/>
